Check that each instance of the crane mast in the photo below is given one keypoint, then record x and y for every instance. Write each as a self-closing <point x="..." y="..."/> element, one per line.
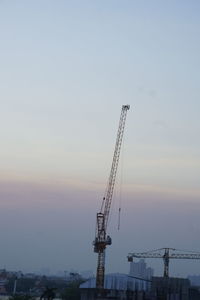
<point x="166" y="256"/>
<point x="101" y="237"/>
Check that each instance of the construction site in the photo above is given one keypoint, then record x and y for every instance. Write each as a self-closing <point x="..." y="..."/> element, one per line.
<point x="136" y="285"/>
<point x="100" y="155"/>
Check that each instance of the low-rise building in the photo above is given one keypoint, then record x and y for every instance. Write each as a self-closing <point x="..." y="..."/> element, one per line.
<point x="116" y="286"/>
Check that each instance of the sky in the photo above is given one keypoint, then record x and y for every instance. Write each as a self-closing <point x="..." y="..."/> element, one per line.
<point x="66" y="68"/>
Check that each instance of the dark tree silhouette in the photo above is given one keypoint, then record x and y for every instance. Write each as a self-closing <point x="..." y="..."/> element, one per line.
<point x="48" y="294"/>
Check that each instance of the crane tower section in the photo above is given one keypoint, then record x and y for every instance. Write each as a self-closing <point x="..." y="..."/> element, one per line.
<point x="101" y="237"/>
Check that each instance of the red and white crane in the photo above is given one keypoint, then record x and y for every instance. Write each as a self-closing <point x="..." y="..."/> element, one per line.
<point x="101" y="237"/>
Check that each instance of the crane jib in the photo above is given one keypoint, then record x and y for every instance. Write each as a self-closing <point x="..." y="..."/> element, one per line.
<point x="166" y="256"/>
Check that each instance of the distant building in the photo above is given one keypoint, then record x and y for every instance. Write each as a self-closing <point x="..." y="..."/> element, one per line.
<point x="3" y="282"/>
<point x="140" y="270"/>
<point x="194" y="280"/>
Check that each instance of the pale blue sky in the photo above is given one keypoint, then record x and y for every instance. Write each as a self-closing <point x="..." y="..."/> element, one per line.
<point x="66" y="67"/>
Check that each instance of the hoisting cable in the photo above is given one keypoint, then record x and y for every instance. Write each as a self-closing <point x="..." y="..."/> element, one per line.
<point x="121" y="184"/>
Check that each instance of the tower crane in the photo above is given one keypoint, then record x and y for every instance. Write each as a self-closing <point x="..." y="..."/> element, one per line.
<point x="166" y="256"/>
<point x="101" y="238"/>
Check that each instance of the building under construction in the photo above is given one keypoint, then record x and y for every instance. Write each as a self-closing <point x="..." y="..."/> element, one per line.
<point x="120" y="286"/>
<point x="124" y="287"/>
<point x="140" y="284"/>
<point x="116" y="286"/>
<point x="166" y="254"/>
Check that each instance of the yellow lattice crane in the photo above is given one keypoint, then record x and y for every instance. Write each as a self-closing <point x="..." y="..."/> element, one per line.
<point x="101" y="238"/>
<point x="166" y="255"/>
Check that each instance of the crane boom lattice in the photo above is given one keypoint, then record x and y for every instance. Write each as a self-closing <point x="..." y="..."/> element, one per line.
<point x="166" y="256"/>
